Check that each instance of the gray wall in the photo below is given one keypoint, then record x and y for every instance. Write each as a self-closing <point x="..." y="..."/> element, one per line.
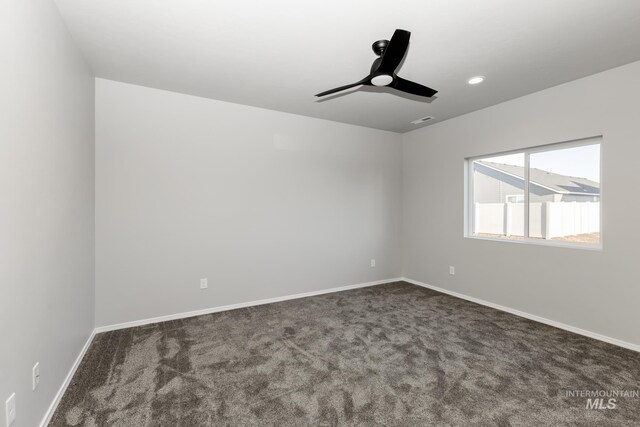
<point x="46" y="204"/>
<point x="262" y="203"/>
<point x="563" y="284"/>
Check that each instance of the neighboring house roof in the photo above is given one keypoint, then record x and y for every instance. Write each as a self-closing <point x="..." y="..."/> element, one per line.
<point x="557" y="183"/>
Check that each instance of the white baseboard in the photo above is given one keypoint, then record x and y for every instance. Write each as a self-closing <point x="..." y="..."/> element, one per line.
<point x="236" y="306"/>
<point x="65" y="384"/>
<point x="52" y="408"/>
<point x="533" y="317"/>
<point x="67" y="380"/>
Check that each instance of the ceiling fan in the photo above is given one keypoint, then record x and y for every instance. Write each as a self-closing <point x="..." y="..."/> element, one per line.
<point x="383" y="69"/>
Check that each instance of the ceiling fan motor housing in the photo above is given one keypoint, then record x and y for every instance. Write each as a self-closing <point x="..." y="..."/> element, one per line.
<point x="379" y="46"/>
<point x="381" y="79"/>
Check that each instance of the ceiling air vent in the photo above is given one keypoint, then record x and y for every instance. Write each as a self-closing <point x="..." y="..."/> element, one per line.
<point x="422" y="120"/>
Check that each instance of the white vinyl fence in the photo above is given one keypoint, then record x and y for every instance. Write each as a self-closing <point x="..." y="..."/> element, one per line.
<point x="546" y="220"/>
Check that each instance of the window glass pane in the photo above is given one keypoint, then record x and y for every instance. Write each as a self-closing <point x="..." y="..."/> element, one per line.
<point x="498" y="197"/>
<point x="564" y="194"/>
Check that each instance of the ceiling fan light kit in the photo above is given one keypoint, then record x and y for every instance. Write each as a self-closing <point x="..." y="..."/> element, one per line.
<point x="381" y="80"/>
<point x="383" y="70"/>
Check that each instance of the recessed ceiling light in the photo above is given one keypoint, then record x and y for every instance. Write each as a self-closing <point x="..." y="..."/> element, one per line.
<point x="475" y="80"/>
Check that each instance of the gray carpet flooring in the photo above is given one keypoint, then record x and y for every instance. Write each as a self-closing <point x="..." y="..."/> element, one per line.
<point x="394" y="354"/>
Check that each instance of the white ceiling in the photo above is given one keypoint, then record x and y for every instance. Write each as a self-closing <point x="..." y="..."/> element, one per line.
<point x="277" y="54"/>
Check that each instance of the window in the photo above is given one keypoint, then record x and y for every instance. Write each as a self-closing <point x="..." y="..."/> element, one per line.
<point x="549" y="194"/>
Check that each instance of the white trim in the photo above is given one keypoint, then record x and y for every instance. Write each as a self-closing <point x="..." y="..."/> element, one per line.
<point x="470" y="205"/>
<point x="543" y="242"/>
<point x="63" y="388"/>
<point x="575" y="330"/>
<point x="236" y="306"/>
<point x="527" y="196"/>
<point x="579" y="142"/>
<point x="600" y="199"/>
<point x="469" y="197"/>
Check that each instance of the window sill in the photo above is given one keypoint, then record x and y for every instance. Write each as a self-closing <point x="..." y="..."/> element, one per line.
<point x="542" y="242"/>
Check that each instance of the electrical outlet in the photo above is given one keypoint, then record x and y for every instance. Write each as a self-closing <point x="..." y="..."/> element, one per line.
<point x="10" y="409"/>
<point x="452" y="270"/>
<point x="373" y="262"/>
<point x="204" y="284"/>
<point x="35" y="376"/>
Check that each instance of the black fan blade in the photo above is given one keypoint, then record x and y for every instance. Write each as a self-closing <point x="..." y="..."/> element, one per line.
<point x="364" y="81"/>
<point x="393" y="54"/>
<point x="413" y="88"/>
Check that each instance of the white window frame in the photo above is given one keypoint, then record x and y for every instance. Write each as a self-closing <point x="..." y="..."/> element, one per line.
<point x="469" y="203"/>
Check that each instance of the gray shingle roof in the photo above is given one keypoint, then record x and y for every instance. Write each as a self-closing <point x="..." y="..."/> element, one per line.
<point x="555" y="182"/>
